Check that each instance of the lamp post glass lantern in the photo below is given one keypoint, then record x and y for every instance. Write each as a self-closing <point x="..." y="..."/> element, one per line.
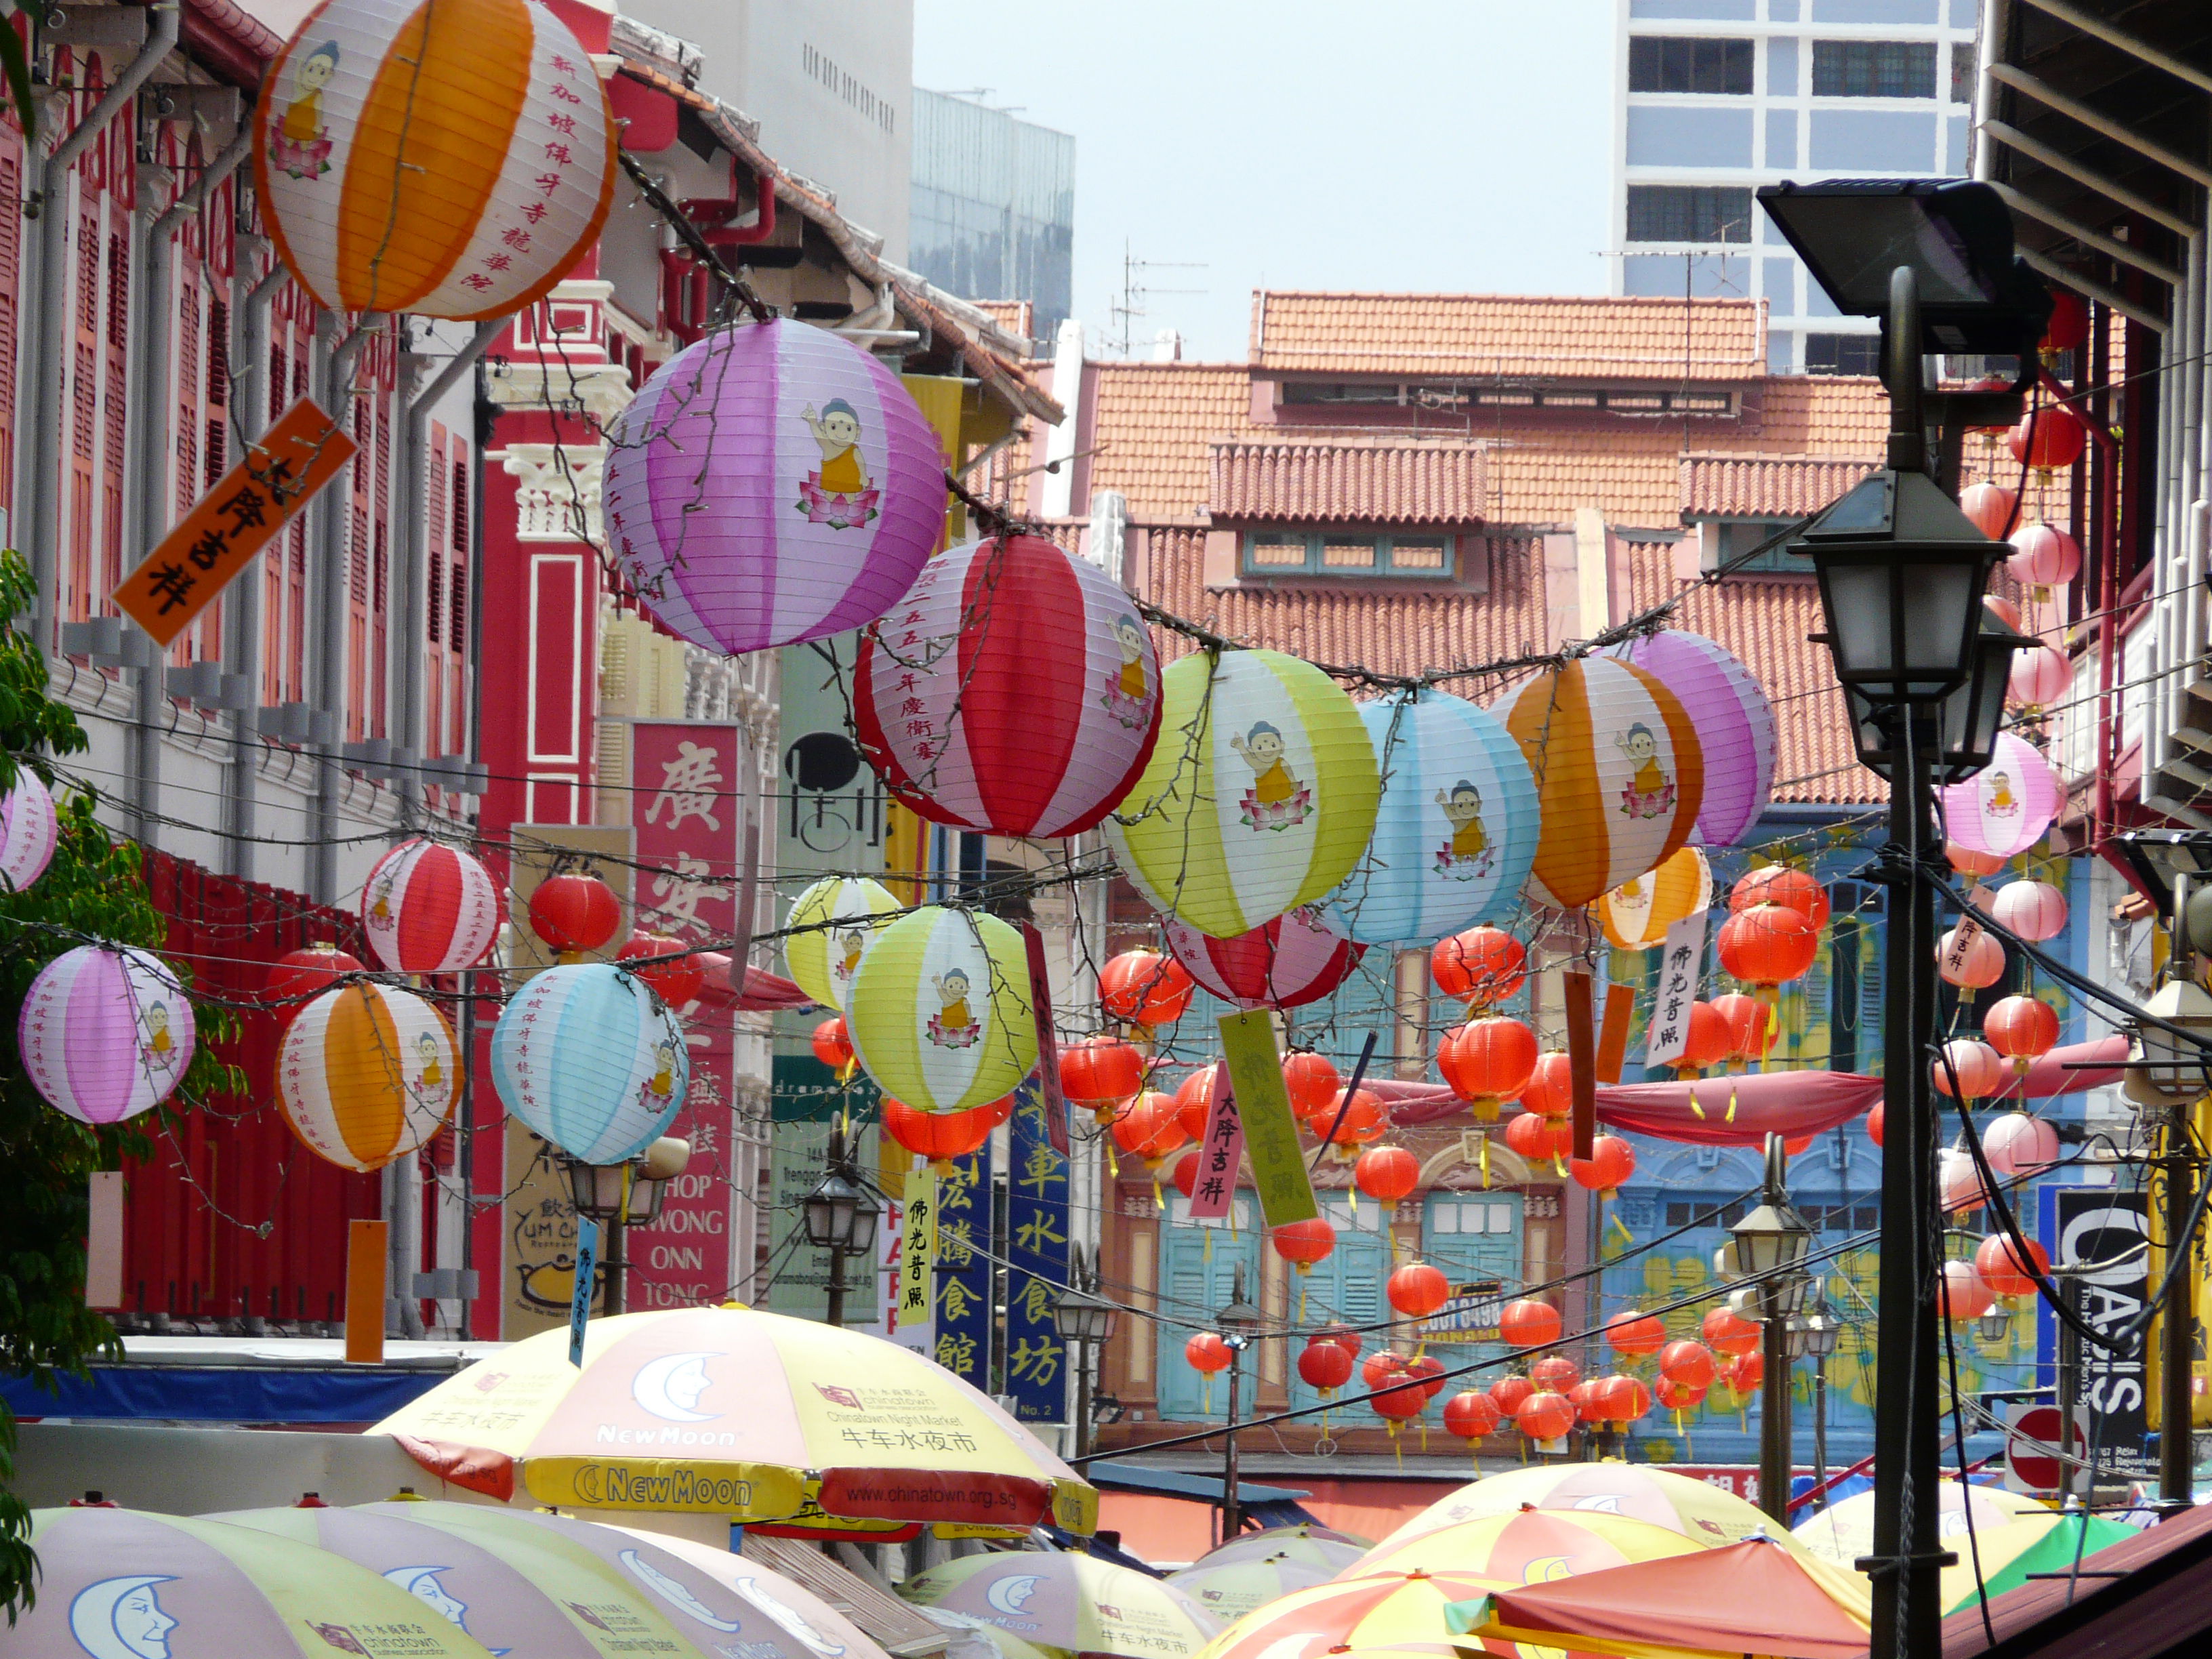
<point x="840" y="1215"/>
<point x="1083" y="1317"/>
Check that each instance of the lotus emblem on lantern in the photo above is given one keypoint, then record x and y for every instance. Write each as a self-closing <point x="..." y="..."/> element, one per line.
<point x="839" y="494"/>
<point x="670" y="1386"/>
<point x="1650" y="793"/>
<point x="1467" y="855"/>
<point x="122" y="1619"/>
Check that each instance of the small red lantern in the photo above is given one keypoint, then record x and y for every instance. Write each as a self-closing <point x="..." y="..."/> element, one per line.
<point x="1471" y="1414"/>
<point x="1528" y="1323"/>
<point x="1728" y="1332"/>
<point x="1551" y="1089"/>
<point x="1679" y="1397"/>
<point x="1962" y="1292"/>
<point x="1429" y="1371"/>
<point x="1488" y="1060"/>
<point x="1312" y="1080"/>
<point x="1979" y="966"/>
<point x="1101" y="1072"/>
<point x="1145" y="987"/>
<point x="1632" y="1332"/>
<point x="1555" y="1373"/>
<point x="1400" y="1400"/>
<point x="2021" y="1029"/>
<point x="1343" y="1335"/>
<point x="1545" y="1416"/>
<point x="1583" y="1398"/>
<point x="1479" y="967"/>
<point x="2048" y="438"/>
<point x="1974" y="1067"/>
<point x="941" y="1137"/>
<point x="1386" y="1174"/>
<point x="1185" y="1173"/>
<point x="1622" y="1399"/>
<point x="1748" y="1372"/>
<point x="1610" y="1162"/>
<point x="1688" y="1365"/>
<point x="574" y="912"/>
<point x="1194" y="1101"/>
<point x="831" y="1045"/>
<point x="680" y="979"/>
<point x="1969" y="861"/>
<point x="1750" y="1025"/>
<point x="1708" y="1042"/>
<point x="2069" y="322"/>
<point x="2001" y="1269"/>
<point x="1768" y="944"/>
<point x="1778" y="884"/>
<point x="1324" y="1366"/>
<point x="1301" y="1243"/>
<point x="1536" y="1137"/>
<point x="1207" y="1354"/>
<point x="1382" y="1367"/>
<point x="1511" y="1393"/>
<point x="1359" y="1122"/>
<point x="297" y="976"/>
<point x="1147" y="1129"/>
<point x="1873" y="1123"/>
<point x="1417" y="1289"/>
<point x="1990" y="507"/>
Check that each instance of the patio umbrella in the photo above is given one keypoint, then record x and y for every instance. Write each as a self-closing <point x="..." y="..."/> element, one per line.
<point x="2053" y="1552"/>
<point x="1230" y="1589"/>
<point x="1307" y="1542"/>
<point x="972" y="1639"/>
<point x="2007" y="1525"/>
<point x="805" y="1616"/>
<point x="121" y="1584"/>
<point x="730" y="1410"/>
<point x="1750" y="1598"/>
<point x="1068" y="1600"/>
<point x="1504" y="1543"/>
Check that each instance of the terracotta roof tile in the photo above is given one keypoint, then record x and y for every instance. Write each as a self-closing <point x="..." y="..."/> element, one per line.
<point x="1764" y="486"/>
<point x="1482" y="334"/>
<point x="1364" y="482"/>
<point x="1153" y="426"/>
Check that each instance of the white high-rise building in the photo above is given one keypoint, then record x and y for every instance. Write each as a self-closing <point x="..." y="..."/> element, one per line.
<point x="1713" y="98"/>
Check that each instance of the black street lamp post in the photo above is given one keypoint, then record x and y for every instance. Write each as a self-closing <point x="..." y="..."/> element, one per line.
<point x="1086" y="1320"/>
<point x="1237" y="1322"/>
<point x="620" y="1196"/>
<point x="1769" y="1245"/>
<point x="839" y="1217"/>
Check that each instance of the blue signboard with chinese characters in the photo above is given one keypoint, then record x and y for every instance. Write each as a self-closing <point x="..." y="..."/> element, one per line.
<point x="963" y="1269"/>
<point x="1036" y="1252"/>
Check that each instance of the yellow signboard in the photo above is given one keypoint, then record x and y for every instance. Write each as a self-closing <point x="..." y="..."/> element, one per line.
<point x="1263" y="1107"/>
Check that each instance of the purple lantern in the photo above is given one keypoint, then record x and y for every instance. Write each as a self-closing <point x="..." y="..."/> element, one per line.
<point x="28" y="830"/>
<point x="1734" y="724"/>
<point x="106" y="1033"/>
<point x="773" y="483"/>
<point x="2004" y="808"/>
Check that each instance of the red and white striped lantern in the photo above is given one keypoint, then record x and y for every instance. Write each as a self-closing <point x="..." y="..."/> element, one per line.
<point x="1288" y="962"/>
<point x="428" y="909"/>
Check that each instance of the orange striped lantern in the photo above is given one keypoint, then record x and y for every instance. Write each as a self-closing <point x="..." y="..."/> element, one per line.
<point x="366" y="1074"/>
<point x="452" y="159"/>
<point x="1619" y="774"/>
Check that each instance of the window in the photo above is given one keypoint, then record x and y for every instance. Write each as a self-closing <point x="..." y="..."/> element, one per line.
<point x="1347" y="553"/>
<point x="1873" y="69"/>
<point x="1688" y="213"/>
<point x="1842" y="354"/>
<point x="1963" y="73"/>
<point x="1668" y="63"/>
<point x="1738" y="537"/>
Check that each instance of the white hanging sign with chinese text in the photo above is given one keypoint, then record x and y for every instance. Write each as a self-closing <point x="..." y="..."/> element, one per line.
<point x="1681" y="967"/>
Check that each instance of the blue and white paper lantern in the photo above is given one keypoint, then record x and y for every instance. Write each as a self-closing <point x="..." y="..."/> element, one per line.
<point x="589" y="1058"/>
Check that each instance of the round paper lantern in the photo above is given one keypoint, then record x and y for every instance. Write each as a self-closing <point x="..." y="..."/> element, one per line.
<point x="1471" y="1415"/>
<point x="1185" y="1173"/>
<point x="574" y="912"/>
<point x="428" y="909"/>
<point x="1973" y="1063"/>
<point x="2021" y="1029"/>
<point x="1511" y="1393"/>
<point x="1147" y="1129"/>
<point x="1728" y="1333"/>
<point x="1262" y="800"/>
<point x="1873" y="1123"/>
<point x="1981" y="966"/>
<point x="1583" y="1398"/>
<point x="2069" y="322"/>
<point x="666" y="964"/>
<point x="1551" y="1089"/>
<point x="1678" y="1396"/>
<point x="1417" y="1289"/>
<point x="1351" y="1123"/>
<point x="1528" y="1323"/>
<point x="299" y="975"/>
<point x="452" y="161"/>
<point x="831" y="1046"/>
<point x="368" y="1074"/>
<point x="1767" y="945"/>
<point x="2005" y="807"/>
<point x="1486" y="1061"/>
<point x="1691" y="1364"/>
<point x="587" y="1057"/>
<point x="2048" y="438"/>
<point x="1637" y="915"/>
<point x="1301" y="1243"/>
<point x="1990" y="507"/>
<point x="106" y="1032"/>
<point x="1288" y="962"/>
<point x="1310" y="1081"/>
<point x="1344" y="1336"/>
<point x="1545" y="1416"/>
<point x="1750" y="1025"/>
<point x="2003" y="610"/>
<point x="1382" y="1367"/>
<point x="1479" y="967"/>
<point x="1386" y="1174"/>
<point x="1962" y="1293"/>
<point x="941" y="1137"/>
<point x="1431" y="1371"/>
<point x="2033" y="909"/>
<point x="1746" y="1371"/>
<point x="830" y="929"/>
<point x="1207" y="1354"/>
<point x="1194" y="1101"/>
<point x="1632" y="1332"/>
<point x="1143" y="987"/>
<point x="939" y="1012"/>
<point x="1622" y="1400"/>
<point x="1013" y="691"/>
<point x="2040" y="676"/>
<point x="1970" y="861"/>
<point x="28" y="829"/>
<point x="1734" y="724"/>
<point x="1620" y="774"/>
<point x="2003" y="1270"/>
<point x="1399" y="1400"/>
<point x="1456" y="827"/>
<point x="1958" y="1183"/>
<point x="1782" y="883"/>
<point x="1536" y="1137"/>
<point x="1101" y="1072"/>
<point x="2018" y="1144"/>
<point x="773" y="483"/>
<point x="1556" y="1373"/>
<point x="2043" y="557"/>
<point x="1324" y="1367"/>
<point x="1709" y="1040"/>
<point x="1612" y="1161"/>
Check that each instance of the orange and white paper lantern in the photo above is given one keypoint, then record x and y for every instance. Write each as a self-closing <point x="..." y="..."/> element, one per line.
<point x="451" y="158"/>
<point x="367" y="1074"/>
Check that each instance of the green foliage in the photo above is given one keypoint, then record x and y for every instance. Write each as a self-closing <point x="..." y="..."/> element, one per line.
<point x="95" y="889"/>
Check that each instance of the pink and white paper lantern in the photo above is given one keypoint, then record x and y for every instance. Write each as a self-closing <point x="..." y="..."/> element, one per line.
<point x="1981" y="965"/>
<point x="2018" y="1145"/>
<point x="1734" y="724"/>
<point x="2043" y="556"/>
<point x="28" y="829"/>
<point x="428" y="909"/>
<point x="2033" y="909"/>
<point x="1976" y="1068"/>
<point x="773" y="483"/>
<point x="106" y="1033"/>
<point x="2004" y="808"/>
<point x="2040" y="675"/>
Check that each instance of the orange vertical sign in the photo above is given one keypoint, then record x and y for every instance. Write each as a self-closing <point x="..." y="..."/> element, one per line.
<point x="366" y="1243"/>
<point x="218" y="538"/>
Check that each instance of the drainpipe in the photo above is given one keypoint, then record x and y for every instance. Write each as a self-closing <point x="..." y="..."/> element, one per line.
<point x="332" y="575"/>
<point x="155" y="306"/>
<point x="38" y="475"/>
<point x="249" y="419"/>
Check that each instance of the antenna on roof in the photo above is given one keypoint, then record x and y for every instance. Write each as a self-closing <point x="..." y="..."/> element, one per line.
<point x="1135" y="292"/>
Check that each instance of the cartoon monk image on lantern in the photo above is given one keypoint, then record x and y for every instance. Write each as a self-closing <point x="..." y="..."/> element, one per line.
<point x="158" y="1043"/>
<point x="952" y="1026"/>
<point x="839" y="494"/>
<point x="1128" y="692"/>
<point x="1276" y="801"/>
<point x="300" y="143"/>
<point x="655" y="1092"/>
<point x="1468" y="854"/>
<point x="429" y="1084"/>
<point x="2002" y="803"/>
<point x="380" y="906"/>
<point x="1650" y="793"/>
<point x="853" y="942"/>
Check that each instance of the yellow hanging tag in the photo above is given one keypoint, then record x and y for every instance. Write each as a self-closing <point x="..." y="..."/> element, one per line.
<point x="1482" y="1155"/>
<point x="845" y="1071"/>
<point x="1113" y="1163"/>
<point x="1621" y="1227"/>
<point x="1731" y="1118"/>
<point x="1352" y="1192"/>
<point x="1159" y="1198"/>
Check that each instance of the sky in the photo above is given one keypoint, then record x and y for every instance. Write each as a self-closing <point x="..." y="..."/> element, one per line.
<point x="1410" y="145"/>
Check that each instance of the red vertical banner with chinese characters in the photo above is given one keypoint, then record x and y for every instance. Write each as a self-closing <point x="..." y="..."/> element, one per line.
<point x="688" y="799"/>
